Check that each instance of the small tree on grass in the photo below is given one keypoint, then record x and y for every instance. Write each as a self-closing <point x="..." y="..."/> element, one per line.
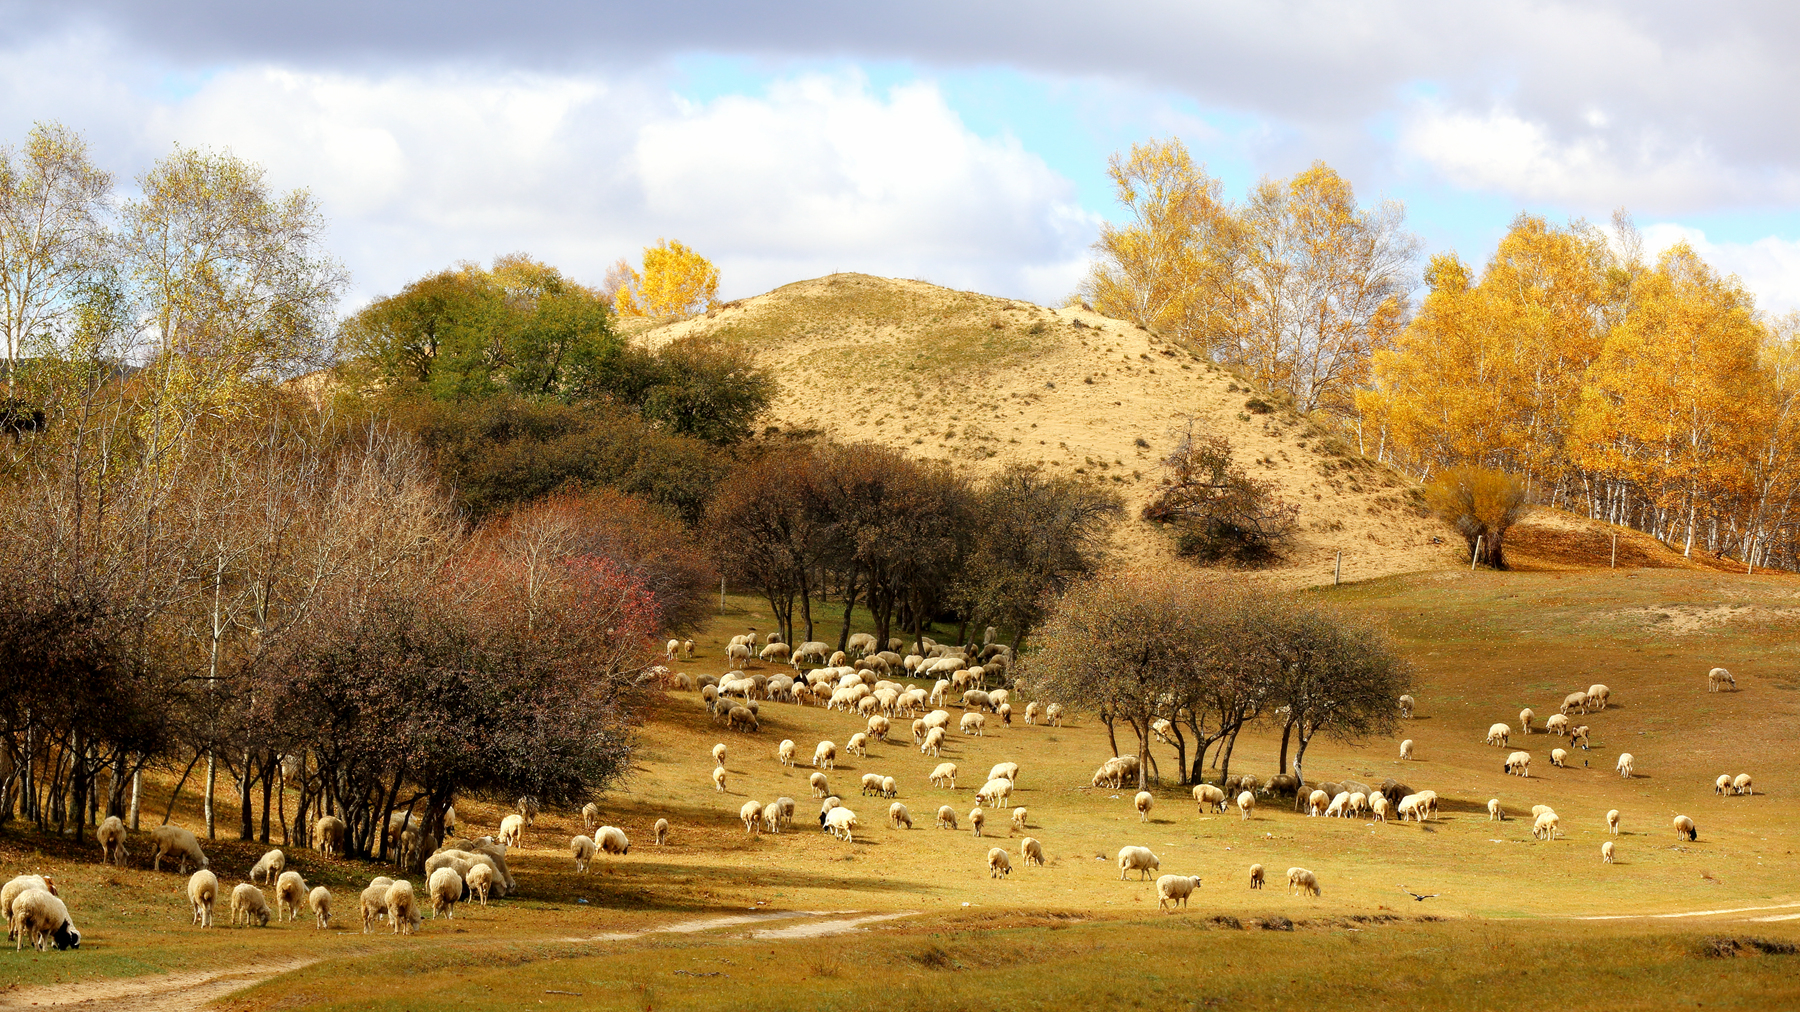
<point x="1220" y="513"/>
<point x="1482" y="505"/>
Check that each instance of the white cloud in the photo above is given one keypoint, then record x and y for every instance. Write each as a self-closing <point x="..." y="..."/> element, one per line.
<point x="1768" y="267"/>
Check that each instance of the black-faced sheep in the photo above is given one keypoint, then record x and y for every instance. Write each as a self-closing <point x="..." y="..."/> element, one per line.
<point x="1685" y="829"/>
<point x="44" y="919"/>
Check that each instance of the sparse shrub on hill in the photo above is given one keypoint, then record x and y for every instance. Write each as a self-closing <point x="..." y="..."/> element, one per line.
<point x="1482" y="505"/>
<point x="1220" y="513"/>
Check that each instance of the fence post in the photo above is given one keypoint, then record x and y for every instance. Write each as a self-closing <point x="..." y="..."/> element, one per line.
<point x="1615" y="558"/>
<point x="1475" y="555"/>
<point x="1337" y="572"/>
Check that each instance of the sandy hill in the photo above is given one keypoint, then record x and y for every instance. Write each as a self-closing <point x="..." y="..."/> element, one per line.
<point x="979" y="381"/>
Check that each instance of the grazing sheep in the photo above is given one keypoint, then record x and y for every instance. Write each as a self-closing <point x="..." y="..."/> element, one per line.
<point x="879" y="727"/>
<point x="996" y="793"/>
<point x="203" y="892"/>
<point x="1302" y="881"/>
<point x="784" y="753"/>
<point x="1741" y="785"/>
<point x="1339" y="807"/>
<point x="1412" y="805"/>
<point x="1316" y="802"/>
<point x="1544" y="827"/>
<point x="1723" y="784"/>
<point x="111" y="838"/>
<point x="1032" y="711"/>
<point x="1518" y="764"/>
<point x="328" y="831"/>
<point x="1612" y="822"/>
<point x="249" y="904"/>
<point x="889" y="787"/>
<point x="1579" y="736"/>
<point x="1207" y="794"/>
<point x="687" y="650"/>
<point x="374" y="901"/>
<point x="480" y="881"/>
<point x="1174" y="890"/>
<point x="1685" y="829"/>
<point x="1558" y="757"/>
<point x="39" y="915"/>
<point x="1031" y="852"/>
<point x="1406" y="707"/>
<point x="1494" y="812"/>
<point x="1138" y="859"/>
<point x="1525" y="719"/>
<point x="1498" y="735"/>
<point x="1624" y="766"/>
<point x="1246" y="802"/>
<point x="898" y="816"/>
<point x="738" y="654"/>
<point x="1717" y="677"/>
<point x="718" y="779"/>
<point x="718" y="754"/>
<point x="1406" y="749"/>
<point x="999" y="863"/>
<point x="858" y="744"/>
<point x="776" y="653"/>
<point x="973" y="723"/>
<point x="1019" y="816"/>
<point x="581" y="848"/>
<point x="290" y="896"/>
<point x="841" y="822"/>
<point x="1010" y="771"/>
<point x="403" y="908"/>
<point x="1053" y="714"/>
<point x="742" y="718"/>
<point x="16" y="886"/>
<point x="1143" y="803"/>
<point x="670" y="650"/>
<point x="751" y="813"/>
<point x="1380" y="805"/>
<point x="512" y="828"/>
<point x="1598" y="697"/>
<point x="944" y="776"/>
<point x="612" y="840"/>
<point x="977" y="819"/>
<point x="178" y="844"/>
<point x="446" y="887"/>
<point x="1556" y="723"/>
<point x="319" y="901"/>
<point x="1572" y="702"/>
<point x="871" y="783"/>
<point x="825" y="755"/>
<point x="1606" y="852"/>
<point x="819" y="786"/>
<point x="1256" y="876"/>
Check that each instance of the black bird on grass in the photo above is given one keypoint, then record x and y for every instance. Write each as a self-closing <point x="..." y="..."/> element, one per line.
<point x="1415" y="895"/>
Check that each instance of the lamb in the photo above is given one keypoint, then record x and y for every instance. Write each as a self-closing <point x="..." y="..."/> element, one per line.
<point x="203" y="892"/>
<point x="402" y="908"/>
<point x="973" y="723"/>
<point x="1685" y="829"/>
<point x="1207" y="794"/>
<point x="1174" y="890"/>
<point x="445" y="888"/>
<point x="999" y="863"/>
<point x="1498" y="735"/>
<point x="820" y="788"/>
<point x="612" y="840"/>
<point x="1559" y="757"/>
<point x="718" y="779"/>
<point x="1556" y="723"/>
<point x="1245" y="802"/>
<point x="1008" y="770"/>
<point x="1723" y="784"/>
<point x="944" y="776"/>
<point x="662" y="830"/>
<point x="1138" y="859"/>
<point x="290" y="896"/>
<point x="1612" y="822"/>
<point x="1740" y="785"/>
<point x="1302" y="881"/>
<point x="1406" y="707"/>
<point x="1256" y="876"/>
<point x="319" y="902"/>
<point x="1518" y="764"/>
<point x="581" y="848"/>
<point x="328" y="830"/>
<point x="840" y="822"/>
<point x="248" y="903"/>
<point x="41" y="916"/>
<point x="1525" y="719"/>
<point x="1019" y="816"/>
<point x="1544" y="828"/>
<point x="512" y="828"/>
<point x="825" y="755"/>
<point x="1624" y="766"/>
<point x="1494" y="812"/>
<point x="1143" y="803"/>
<point x="1031" y="852"/>
<point x="995" y="793"/>
<point x="751" y="813"/>
<point x="1572" y="702"/>
<point x="1598" y="697"/>
<point x="480" y="881"/>
<point x="977" y="819"/>
<point x="1717" y="677"/>
<point x="111" y="838"/>
<point x="898" y="816"/>
<point x="178" y="844"/>
<point x="946" y="817"/>
<point x="1406" y="749"/>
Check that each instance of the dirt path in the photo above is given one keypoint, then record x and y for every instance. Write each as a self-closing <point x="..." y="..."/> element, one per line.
<point x="1694" y="913"/>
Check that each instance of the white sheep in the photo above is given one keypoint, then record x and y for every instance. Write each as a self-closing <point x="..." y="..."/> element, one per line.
<point x="1053" y="714"/>
<point x="661" y="831"/>
<point x="1246" y="802"/>
<point x="1008" y="770"/>
<point x="820" y="788"/>
<point x="1302" y="881"/>
<point x="1031" y="852"/>
<point x="1406" y="707"/>
<point x="1406" y="749"/>
<point x="718" y="754"/>
<point x="1174" y="890"/>
<point x="825" y="755"/>
<point x="512" y="829"/>
<point x="1339" y="807"/>
<point x="1316" y="802"/>
<point x="290" y="896"/>
<point x="1256" y="876"/>
<point x="1518" y="764"/>
<point x="973" y="723"/>
<point x="946" y="817"/>
<point x="1138" y="859"/>
<point x="1717" y="677"/>
<point x="612" y="840"/>
<point x="328" y="831"/>
<point x="1494" y="812"/>
<point x="751" y="813"/>
<point x="1723" y="784"/>
<point x="445" y="888"/>
<point x="1556" y="723"/>
<point x="403" y="908"/>
<point x="319" y="901"/>
<point x="110" y="835"/>
<point x="841" y="822"/>
<point x="1606" y="852"/>
<point x="1685" y="829"/>
<point x="268" y="867"/>
<point x="944" y="776"/>
<point x="480" y="881"/>
<point x="374" y="901"/>
<point x="858" y="744"/>
<point x="996" y="793"/>
<point x="1525" y="719"/>
<point x="879" y="727"/>
<point x="999" y="863"/>
<point x="1207" y="794"/>
<point x="1598" y="697"/>
<point x="1378" y="803"/>
<point x="1612" y="822"/>
<point x="718" y="779"/>
<point x="42" y="917"/>
<point x="1572" y="702"/>
<point x="977" y="819"/>
<point x="178" y="844"/>
<point x="249" y="904"/>
<point x="784" y="753"/>
<point x="582" y="849"/>
<point x="871" y="784"/>
<point x="203" y="893"/>
<point x="1559" y="757"/>
<point x="1624" y="766"/>
<point x="1019" y="815"/>
<point x="1498" y="735"/>
<point x="1411" y="805"/>
<point x="1740" y="784"/>
<point x="898" y="816"/>
<point x="1143" y="803"/>
<point x="1544" y="827"/>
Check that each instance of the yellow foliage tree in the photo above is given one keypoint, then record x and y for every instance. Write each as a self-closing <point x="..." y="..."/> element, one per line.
<point x="675" y="282"/>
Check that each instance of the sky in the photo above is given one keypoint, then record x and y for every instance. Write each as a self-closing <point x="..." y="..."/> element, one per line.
<point x="960" y="143"/>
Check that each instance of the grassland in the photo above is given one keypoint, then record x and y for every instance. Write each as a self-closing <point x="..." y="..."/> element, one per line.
<point x="1511" y="921"/>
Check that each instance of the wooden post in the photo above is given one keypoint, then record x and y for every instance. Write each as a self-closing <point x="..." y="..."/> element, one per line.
<point x="1476" y="554"/>
<point x="1615" y="561"/>
<point x="721" y="595"/>
<point x="1337" y="573"/>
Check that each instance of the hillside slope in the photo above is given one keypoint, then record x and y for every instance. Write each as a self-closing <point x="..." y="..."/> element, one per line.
<point x="980" y="381"/>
